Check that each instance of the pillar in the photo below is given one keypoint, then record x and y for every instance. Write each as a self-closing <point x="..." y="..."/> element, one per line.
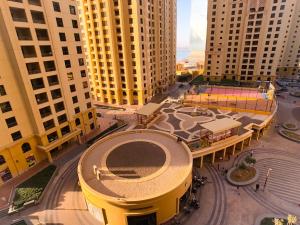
<point x="233" y="149"/>
<point x="49" y="157"/>
<point x="224" y="153"/>
<point x="213" y="158"/>
<point x="201" y="161"/>
<point x="242" y="147"/>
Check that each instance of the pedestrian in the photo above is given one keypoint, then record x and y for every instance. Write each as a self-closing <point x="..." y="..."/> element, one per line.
<point x="238" y="189"/>
<point x="256" y="187"/>
<point x="251" y="154"/>
<point x="228" y="157"/>
<point x="218" y="166"/>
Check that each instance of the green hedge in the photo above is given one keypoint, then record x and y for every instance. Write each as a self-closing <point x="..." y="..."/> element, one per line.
<point x="32" y="188"/>
<point x="269" y="221"/>
<point x="22" y="222"/>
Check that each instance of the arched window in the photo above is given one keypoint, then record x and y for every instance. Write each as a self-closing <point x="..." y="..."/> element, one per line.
<point x="2" y="160"/>
<point x="90" y="115"/>
<point x="26" y="147"/>
<point x="77" y="121"/>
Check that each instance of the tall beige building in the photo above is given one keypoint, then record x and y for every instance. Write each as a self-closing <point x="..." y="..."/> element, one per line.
<point x="289" y="64"/>
<point x="245" y="38"/>
<point x="44" y="89"/>
<point x="131" y="48"/>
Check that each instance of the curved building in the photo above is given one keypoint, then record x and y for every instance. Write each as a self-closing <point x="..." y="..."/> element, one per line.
<point x="136" y="177"/>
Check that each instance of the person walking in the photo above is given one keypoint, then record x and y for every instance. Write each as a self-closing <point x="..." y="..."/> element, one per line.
<point x="256" y="187"/>
<point x="251" y="154"/>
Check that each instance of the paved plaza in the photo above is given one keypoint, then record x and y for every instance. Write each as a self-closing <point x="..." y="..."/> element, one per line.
<point x="220" y="203"/>
<point x="185" y="122"/>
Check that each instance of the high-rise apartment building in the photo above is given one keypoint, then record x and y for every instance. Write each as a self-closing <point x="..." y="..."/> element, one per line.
<point x="131" y="48"/>
<point x="245" y="38"/>
<point x="289" y="64"/>
<point x="44" y="89"/>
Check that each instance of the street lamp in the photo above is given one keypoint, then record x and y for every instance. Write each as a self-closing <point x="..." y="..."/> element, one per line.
<point x="268" y="174"/>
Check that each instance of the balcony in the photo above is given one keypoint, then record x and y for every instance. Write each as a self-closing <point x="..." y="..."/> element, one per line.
<point x="33" y="68"/>
<point x="28" y="51"/>
<point x="49" y="66"/>
<point x="56" y="94"/>
<point x="53" y="80"/>
<point x="37" y="17"/>
<point x="46" y="111"/>
<point x="41" y="98"/>
<point x="18" y="15"/>
<point x="46" y="50"/>
<point x="42" y="34"/>
<point x="49" y="124"/>
<point x="23" y="33"/>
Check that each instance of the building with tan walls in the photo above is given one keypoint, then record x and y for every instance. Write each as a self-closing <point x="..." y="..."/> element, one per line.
<point x="289" y="64"/>
<point x="245" y="39"/>
<point x="130" y="47"/>
<point x="44" y="90"/>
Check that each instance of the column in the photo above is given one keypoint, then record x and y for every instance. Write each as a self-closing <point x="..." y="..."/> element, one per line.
<point x="224" y="153"/>
<point x="49" y="157"/>
<point x="213" y="158"/>
<point x="233" y="149"/>
<point x="201" y="161"/>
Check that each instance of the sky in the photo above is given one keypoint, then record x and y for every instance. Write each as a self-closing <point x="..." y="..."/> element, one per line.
<point x="191" y="24"/>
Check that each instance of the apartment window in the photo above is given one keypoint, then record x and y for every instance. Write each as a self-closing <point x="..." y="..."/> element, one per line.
<point x="56" y="6"/>
<point x="77" y="37"/>
<point x="74" y="23"/>
<point x="70" y="76"/>
<point x="46" y="111"/>
<point x="49" y="66"/>
<point x="87" y="95"/>
<point x="20" y="1"/>
<point x="37" y="83"/>
<point x="18" y="14"/>
<point x="11" y="122"/>
<point x="89" y="105"/>
<point x="2" y="160"/>
<point x="46" y="50"/>
<point x="28" y="51"/>
<point x="49" y="124"/>
<point x="62" y="37"/>
<point x="5" y="107"/>
<point x="41" y="98"/>
<point x="65" y="50"/>
<point x="23" y="33"/>
<point x="26" y="147"/>
<point x="56" y="93"/>
<point x="74" y="99"/>
<point x="72" y="88"/>
<point x="65" y="130"/>
<point x="52" y="137"/>
<point x="83" y="73"/>
<point x="77" y="121"/>
<point x="37" y="17"/>
<point x="79" y="49"/>
<point x="81" y="61"/>
<point x="77" y="110"/>
<point x="59" y="106"/>
<point x="53" y="80"/>
<point x="2" y="90"/>
<point x="42" y="34"/>
<point x="16" y="135"/>
<point x="59" y="22"/>
<point x="34" y="2"/>
<point x="62" y="118"/>
<point x="33" y="68"/>
<point x="72" y="10"/>
<point x="85" y="84"/>
<point x="68" y="64"/>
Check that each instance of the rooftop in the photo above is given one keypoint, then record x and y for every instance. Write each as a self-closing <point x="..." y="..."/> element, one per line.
<point x="136" y="165"/>
<point x="220" y="125"/>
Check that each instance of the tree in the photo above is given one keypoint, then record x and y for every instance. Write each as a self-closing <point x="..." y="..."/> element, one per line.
<point x="250" y="160"/>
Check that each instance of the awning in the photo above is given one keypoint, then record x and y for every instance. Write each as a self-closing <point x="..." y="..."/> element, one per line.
<point x="221" y="125"/>
<point x="59" y="141"/>
<point x="148" y="109"/>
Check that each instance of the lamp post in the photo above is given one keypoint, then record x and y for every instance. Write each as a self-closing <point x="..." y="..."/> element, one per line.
<point x="267" y="177"/>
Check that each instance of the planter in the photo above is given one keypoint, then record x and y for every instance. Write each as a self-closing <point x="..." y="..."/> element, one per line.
<point x="290" y="135"/>
<point x="244" y="182"/>
<point x="290" y="126"/>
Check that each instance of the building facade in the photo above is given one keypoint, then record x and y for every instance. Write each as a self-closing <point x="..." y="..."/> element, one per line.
<point x="130" y="47"/>
<point x="44" y="89"/>
<point x="289" y="64"/>
<point x="245" y="39"/>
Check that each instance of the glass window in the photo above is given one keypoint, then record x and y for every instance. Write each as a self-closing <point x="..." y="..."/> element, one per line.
<point x="42" y="34"/>
<point x="72" y="10"/>
<point x="33" y="68"/>
<point x="37" y="83"/>
<point x="34" y="2"/>
<point x="5" y="107"/>
<point x="16" y="135"/>
<point x="28" y="51"/>
<point x="18" y="14"/>
<point x="62" y="36"/>
<point x="49" y="124"/>
<point x="59" y="22"/>
<point x="26" y="147"/>
<point x="23" y="33"/>
<point x="46" y="50"/>
<point x="2" y="90"/>
<point x="37" y="17"/>
<point x="56" y="6"/>
<point x="11" y="122"/>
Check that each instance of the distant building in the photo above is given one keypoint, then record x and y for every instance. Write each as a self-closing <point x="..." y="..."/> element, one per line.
<point x="44" y="90"/>
<point x="131" y="48"/>
<point x="246" y="39"/>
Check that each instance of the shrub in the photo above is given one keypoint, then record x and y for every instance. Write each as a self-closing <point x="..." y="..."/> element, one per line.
<point x="250" y="160"/>
<point x="242" y="166"/>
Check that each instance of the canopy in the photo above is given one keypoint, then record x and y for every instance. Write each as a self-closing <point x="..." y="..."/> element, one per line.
<point x="148" y="109"/>
<point x="220" y="125"/>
